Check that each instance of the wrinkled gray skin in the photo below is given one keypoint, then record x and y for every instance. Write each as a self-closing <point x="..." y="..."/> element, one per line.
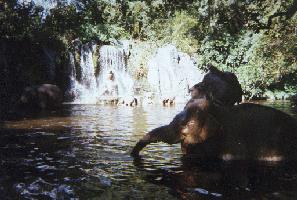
<point x="41" y="97"/>
<point x="169" y="134"/>
<point x="182" y="129"/>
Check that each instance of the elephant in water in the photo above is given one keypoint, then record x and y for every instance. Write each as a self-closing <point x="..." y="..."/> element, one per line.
<point x="41" y="97"/>
<point x="211" y="126"/>
<point x="241" y="132"/>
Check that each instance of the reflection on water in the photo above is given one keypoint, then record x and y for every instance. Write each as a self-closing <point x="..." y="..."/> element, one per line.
<point x="82" y="151"/>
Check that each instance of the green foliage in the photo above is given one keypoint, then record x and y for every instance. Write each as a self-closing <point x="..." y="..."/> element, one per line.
<point x="178" y="30"/>
<point x="260" y="46"/>
<point x="254" y="39"/>
<point x="19" y="21"/>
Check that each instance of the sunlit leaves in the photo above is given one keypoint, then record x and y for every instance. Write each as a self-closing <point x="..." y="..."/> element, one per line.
<point x="255" y="39"/>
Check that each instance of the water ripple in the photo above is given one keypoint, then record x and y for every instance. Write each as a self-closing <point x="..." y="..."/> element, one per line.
<point x="83" y="152"/>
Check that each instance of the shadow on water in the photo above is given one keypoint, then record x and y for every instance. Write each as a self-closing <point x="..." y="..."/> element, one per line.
<point x="82" y="151"/>
<point x="204" y="179"/>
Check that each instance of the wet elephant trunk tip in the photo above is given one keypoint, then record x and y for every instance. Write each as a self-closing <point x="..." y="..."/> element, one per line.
<point x="138" y="147"/>
<point x="165" y="134"/>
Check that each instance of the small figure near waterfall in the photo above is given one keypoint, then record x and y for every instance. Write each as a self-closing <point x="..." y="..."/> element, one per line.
<point x="169" y="101"/>
<point x="178" y="59"/>
<point x="110" y="92"/>
<point x="110" y="87"/>
<point x="128" y="101"/>
<point x="140" y="73"/>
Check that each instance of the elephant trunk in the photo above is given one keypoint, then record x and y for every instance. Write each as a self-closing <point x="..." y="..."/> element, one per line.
<point x="167" y="134"/>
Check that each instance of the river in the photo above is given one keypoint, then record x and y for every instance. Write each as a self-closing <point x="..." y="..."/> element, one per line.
<point x="82" y="152"/>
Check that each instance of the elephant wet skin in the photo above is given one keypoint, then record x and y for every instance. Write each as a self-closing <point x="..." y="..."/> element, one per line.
<point x="169" y="134"/>
<point x="241" y="132"/>
<point x="189" y="127"/>
<point x="256" y="132"/>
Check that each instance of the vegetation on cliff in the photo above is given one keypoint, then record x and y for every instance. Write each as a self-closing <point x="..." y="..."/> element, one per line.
<point x="255" y="39"/>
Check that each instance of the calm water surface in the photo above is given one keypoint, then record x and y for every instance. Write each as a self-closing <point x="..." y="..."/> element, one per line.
<point x="82" y="152"/>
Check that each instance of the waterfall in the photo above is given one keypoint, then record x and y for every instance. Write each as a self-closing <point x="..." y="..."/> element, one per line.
<point x="171" y="73"/>
<point x="111" y="83"/>
<point x="72" y="90"/>
<point x="72" y="71"/>
<point x="87" y="67"/>
<point x="85" y="89"/>
<point x="113" y="60"/>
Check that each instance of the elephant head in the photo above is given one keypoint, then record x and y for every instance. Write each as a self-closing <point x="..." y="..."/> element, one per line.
<point x="199" y="127"/>
<point x="191" y="126"/>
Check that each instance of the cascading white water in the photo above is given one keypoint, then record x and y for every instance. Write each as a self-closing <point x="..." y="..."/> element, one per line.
<point x="112" y="60"/>
<point x="85" y="89"/>
<point x="171" y="74"/>
<point x="75" y="89"/>
<point x="92" y="89"/>
<point x="88" y="93"/>
<point x="87" y="67"/>
<point x="72" y="73"/>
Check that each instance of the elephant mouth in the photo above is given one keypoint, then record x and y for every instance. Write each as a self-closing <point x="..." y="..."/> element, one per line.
<point x="183" y="132"/>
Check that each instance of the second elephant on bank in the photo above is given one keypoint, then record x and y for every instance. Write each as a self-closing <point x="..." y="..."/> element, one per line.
<point x="41" y="97"/>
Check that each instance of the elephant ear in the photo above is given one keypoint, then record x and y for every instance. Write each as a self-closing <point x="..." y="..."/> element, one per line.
<point x="223" y="88"/>
<point x="235" y="85"/>
<point x="211" y="127"/>
<point x="208" y="126"/>
<point x="199" y="126"/>
<point x="191" y="131"/>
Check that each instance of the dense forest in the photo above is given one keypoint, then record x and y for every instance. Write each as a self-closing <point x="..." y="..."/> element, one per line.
<point x="255" y="39"/>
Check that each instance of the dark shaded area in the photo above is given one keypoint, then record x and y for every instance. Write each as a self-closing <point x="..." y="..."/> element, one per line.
<point x="27" y="63"/>
<point x="210" y="179"/>
<point x="222" y="87"/>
